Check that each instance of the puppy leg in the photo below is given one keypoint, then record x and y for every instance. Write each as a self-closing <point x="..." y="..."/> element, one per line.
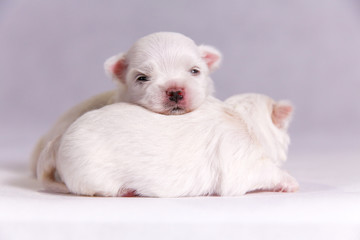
<point x="262" y="175"/>
<point x="269" y="177"/>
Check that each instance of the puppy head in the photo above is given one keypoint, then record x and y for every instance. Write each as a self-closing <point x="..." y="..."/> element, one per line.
<point x="263" y="108"/>
<point x="165" y="72"/>
<point x="267" y="119"/>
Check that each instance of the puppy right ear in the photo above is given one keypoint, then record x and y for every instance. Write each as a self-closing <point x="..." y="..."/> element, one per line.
<point x="211" y="56"/>
<point x="115" y="67"/>
<point x="281" y="114"/>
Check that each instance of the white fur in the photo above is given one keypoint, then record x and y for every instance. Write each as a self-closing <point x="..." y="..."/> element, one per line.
<point x="225" y="149"/>
<point x="166" y="59"/>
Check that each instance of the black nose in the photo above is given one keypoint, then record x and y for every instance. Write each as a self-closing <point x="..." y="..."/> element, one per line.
<point x="175" y="96"/>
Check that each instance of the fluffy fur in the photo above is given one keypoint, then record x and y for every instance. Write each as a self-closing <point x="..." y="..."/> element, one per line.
<point x="225" y="149"/>
<point x="155" y="68"/>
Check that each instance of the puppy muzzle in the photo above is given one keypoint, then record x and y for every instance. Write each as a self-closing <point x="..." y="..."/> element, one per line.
<point x="175" y="96"/>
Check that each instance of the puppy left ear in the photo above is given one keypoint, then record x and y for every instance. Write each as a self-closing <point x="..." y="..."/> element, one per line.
<point x="211" y="56"/>
<point x="115" y="67"/>
<point x="281" y="114"/>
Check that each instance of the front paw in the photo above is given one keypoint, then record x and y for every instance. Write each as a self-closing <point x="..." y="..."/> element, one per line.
<point x="287" y="184"/>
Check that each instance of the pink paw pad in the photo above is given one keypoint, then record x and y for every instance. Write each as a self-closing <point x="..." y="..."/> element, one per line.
<point x="127" y="193"/>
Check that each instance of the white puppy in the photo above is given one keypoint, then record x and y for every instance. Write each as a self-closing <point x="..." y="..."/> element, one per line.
<point x="225" y="149"/>
<point x="164" y="72"/>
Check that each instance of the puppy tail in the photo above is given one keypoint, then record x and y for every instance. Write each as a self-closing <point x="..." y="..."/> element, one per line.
<point x="46" y="168"/>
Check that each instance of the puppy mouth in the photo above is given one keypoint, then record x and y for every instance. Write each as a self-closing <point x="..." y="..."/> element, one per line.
<point x="177" y="110"/>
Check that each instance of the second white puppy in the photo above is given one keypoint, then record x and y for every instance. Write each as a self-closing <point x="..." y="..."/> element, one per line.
<point x="225" y="149"/>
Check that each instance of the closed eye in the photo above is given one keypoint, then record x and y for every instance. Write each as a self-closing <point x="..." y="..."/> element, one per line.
<point x="142" y="78"/>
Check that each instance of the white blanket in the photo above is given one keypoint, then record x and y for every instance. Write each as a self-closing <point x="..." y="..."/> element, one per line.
<point x="326" y="207"/>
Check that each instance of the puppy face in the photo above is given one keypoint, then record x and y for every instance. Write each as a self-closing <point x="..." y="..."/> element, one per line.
<point x="165" y="72"/>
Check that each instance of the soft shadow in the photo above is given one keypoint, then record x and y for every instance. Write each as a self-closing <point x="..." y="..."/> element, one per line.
<point x="25" y="182"/>
<point x="19" y="175"/>
<point x="310" y="187"/>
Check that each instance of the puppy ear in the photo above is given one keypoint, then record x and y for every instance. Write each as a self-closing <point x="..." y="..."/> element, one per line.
<point x="115" y="67"/>
<point x="281" y="114"/>
<point x="211" y="56"/>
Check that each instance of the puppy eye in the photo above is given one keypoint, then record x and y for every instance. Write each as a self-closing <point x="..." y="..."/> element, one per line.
<point x="142" y="78"/>
<point x="195" y="71"/>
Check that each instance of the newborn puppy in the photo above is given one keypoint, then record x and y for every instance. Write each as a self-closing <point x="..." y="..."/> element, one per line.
<point x="164" y="72"/>
<point x="225" y="149"/>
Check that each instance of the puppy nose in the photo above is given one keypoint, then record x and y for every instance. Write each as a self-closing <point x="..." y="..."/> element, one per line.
<point x="175" y="95"/>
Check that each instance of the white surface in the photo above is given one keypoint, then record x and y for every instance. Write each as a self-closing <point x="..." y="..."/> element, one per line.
<point x="326" y="207"/>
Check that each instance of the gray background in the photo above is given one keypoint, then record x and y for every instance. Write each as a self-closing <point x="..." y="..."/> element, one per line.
<point x="52" y="54"/>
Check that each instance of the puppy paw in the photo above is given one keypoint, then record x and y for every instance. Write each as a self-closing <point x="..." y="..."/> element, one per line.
<point x="287" y="184"/>
<point x="125" y="192"/>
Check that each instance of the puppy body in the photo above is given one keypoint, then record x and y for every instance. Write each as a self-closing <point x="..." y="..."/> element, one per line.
<point x="225" y="149"/>
<point x="164" y="72"/>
